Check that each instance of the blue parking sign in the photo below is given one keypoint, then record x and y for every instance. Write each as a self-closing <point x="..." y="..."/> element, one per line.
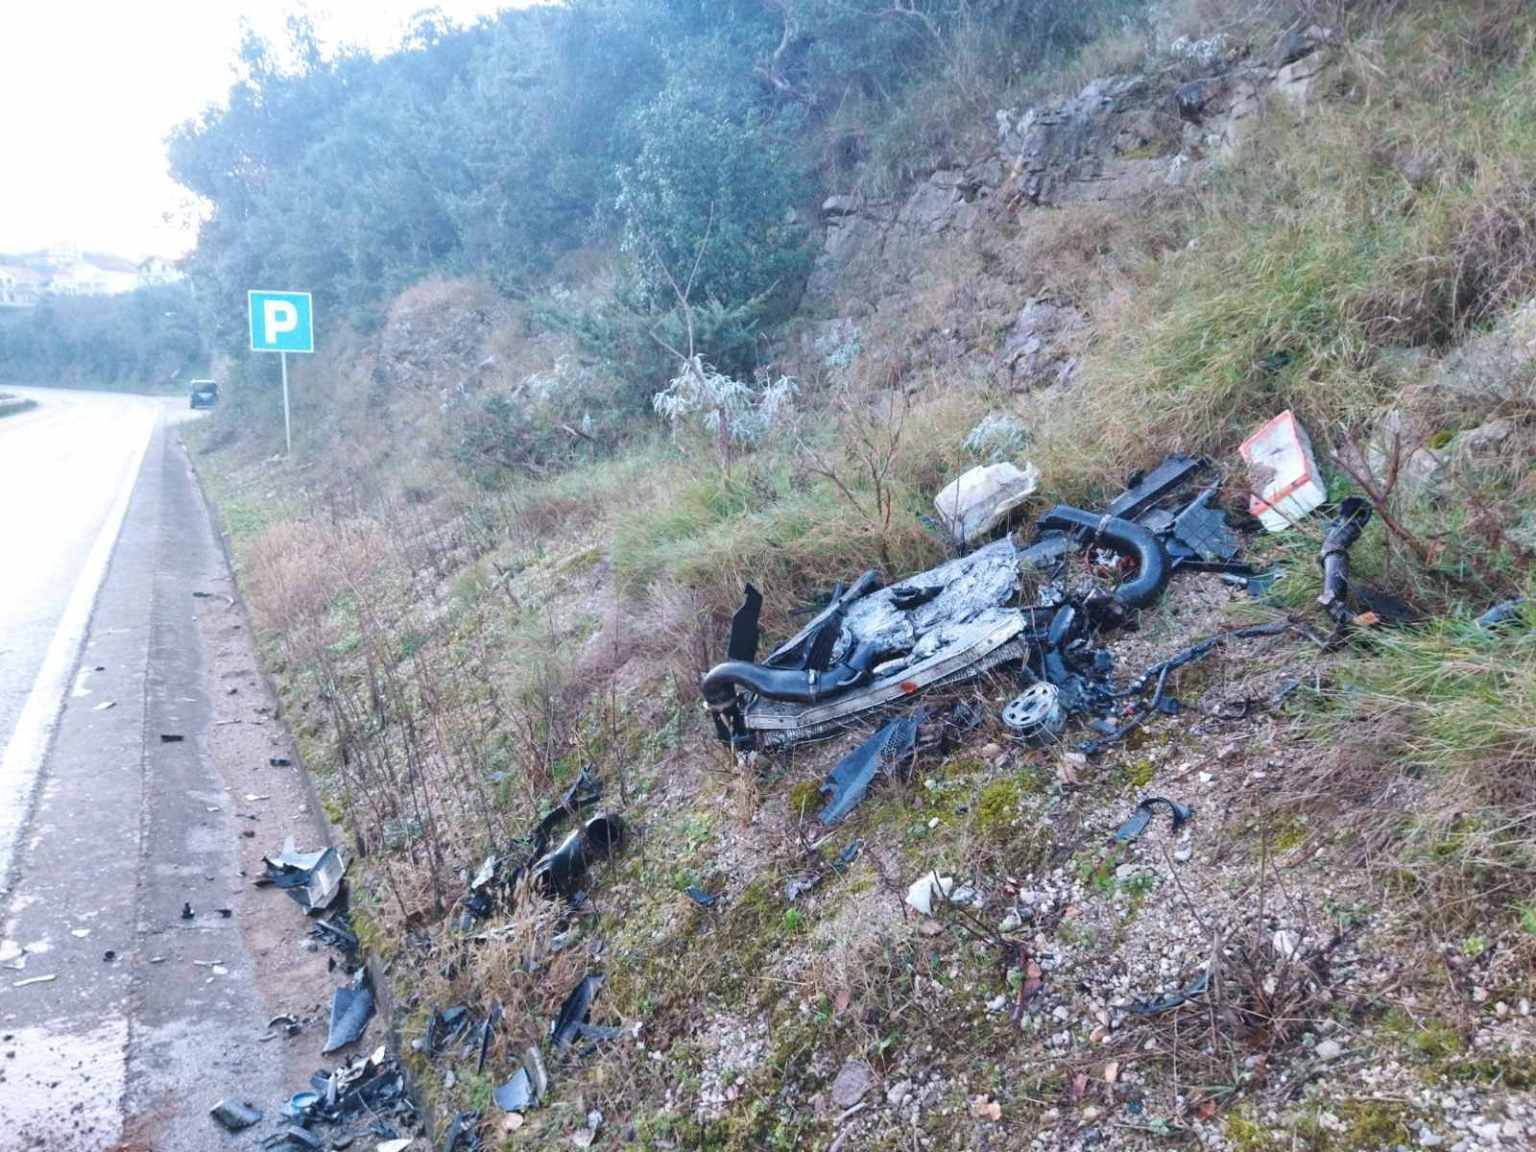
<point x="281" y="322"/>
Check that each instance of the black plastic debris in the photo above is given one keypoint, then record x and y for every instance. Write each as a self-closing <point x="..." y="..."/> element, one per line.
<point x="235" y="1115"/>
<point x="1157" y="678"/>
<point x="516" y="1095"/>
<point x="351" y="1009"/>
<point x="462" y="1134"/>
<point x="293" y="1137"/>
<point x="1139" y="819"/>
<point x="171" y="737"/>
<point x="288" y="1025"/>
<point x="312" y="879"/>
<point x="1171" y="1000"/>
<point x="847" y="784"/>
<point x="363" y="1098"/>
<point x="562" y="871"/>
<point x="1353" y="515"/>
<point x="336" y="932"/>
<point x="487" y="1030"/>
<point x="1502" y="614"/>
<point x="797" y="886"/>
<point x="279" y="761"/>
<point x="571" y="1024"/>
<point x="1151" y="488"/>
<point x="559" y="872"/>
<point x="186" y="911"/>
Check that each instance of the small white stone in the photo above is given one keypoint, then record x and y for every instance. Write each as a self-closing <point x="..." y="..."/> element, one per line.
<point x="1329" y="1050"/>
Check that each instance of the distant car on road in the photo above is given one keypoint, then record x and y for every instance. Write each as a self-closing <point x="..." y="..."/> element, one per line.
<point x="205" y="393"/>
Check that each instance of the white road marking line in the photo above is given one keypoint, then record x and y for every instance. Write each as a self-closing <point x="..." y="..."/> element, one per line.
<point x="40" y="714"/>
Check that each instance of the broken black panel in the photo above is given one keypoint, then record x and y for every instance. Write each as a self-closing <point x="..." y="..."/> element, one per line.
<point x="1145" y="490"/>
<point x="847" y="784"/>
<point x="1201" y="531"/>
<point x="562" y="871"/>
<point x="235" y="1115"/>
<point x="351" y="1009"/>
<point x="571" y="1024"/>
<point x="744" y="627"/>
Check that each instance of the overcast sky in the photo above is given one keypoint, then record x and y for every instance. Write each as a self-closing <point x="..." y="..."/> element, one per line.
<point x="90" y="88"/>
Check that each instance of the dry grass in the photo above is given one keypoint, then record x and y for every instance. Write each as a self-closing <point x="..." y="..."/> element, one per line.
<point x="1314" y="252"/>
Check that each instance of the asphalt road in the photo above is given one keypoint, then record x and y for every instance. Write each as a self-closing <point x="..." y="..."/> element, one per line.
<point x="136" y="779"/>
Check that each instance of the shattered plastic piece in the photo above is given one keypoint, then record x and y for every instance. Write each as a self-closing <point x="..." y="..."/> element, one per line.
<point x="563" y="870"/>
<point x="300" y="1104"/>
<point x="1500" y="614"/>
<point x="700" y="897"/>
<point x="930" y="887"/>
<point x="35" y="980"/>
<point x="463" y="1131"/>
<point x="572" y="1024"/>
<point x="797" y="886"/>
<point x="1283" y="473"/>
<point x="1145" y="491"/>
<point x="1157" y="676"/>
<point x="1171" y="1000"/>
<point x="486" y="1030"/>
<point x="335" y="931"/>
<point x="979" y="500"/>
<point x="399" y="1144"/>
<point x="1202" y="531"/>
<point x="351" y="1009"/>
<point x="313" y="879"/>
<point x="516" y="1095"/>
<point x="1139" y="819"/>
<point x="234" y="1115"/>
<point x="533" y="1061"/>
<point x="1036" y="715"/>
<point x="847" y="784"/>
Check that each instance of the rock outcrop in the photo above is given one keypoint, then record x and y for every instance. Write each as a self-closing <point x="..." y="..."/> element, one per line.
<point x="1121" y="139"/>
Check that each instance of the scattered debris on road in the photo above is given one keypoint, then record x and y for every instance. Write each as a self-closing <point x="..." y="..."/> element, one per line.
<point x="234" y="1115"/>
<point x="312" y="879"/>
<point x="351" y="1009"/>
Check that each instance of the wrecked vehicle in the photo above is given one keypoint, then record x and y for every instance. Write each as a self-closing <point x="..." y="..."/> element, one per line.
<point x="873" y="646"/>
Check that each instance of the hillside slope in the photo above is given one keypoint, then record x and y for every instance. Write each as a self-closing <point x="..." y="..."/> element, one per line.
<point x="481" y="577"/>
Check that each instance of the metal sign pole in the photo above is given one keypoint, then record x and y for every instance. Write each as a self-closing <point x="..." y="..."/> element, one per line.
<point x="287" y="426"/>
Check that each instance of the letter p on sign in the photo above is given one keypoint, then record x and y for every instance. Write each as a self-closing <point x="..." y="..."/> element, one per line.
<point x="281" y="322"/>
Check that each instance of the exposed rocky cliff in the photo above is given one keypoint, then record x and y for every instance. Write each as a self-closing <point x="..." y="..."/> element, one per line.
<point x="1125" y="140"/>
